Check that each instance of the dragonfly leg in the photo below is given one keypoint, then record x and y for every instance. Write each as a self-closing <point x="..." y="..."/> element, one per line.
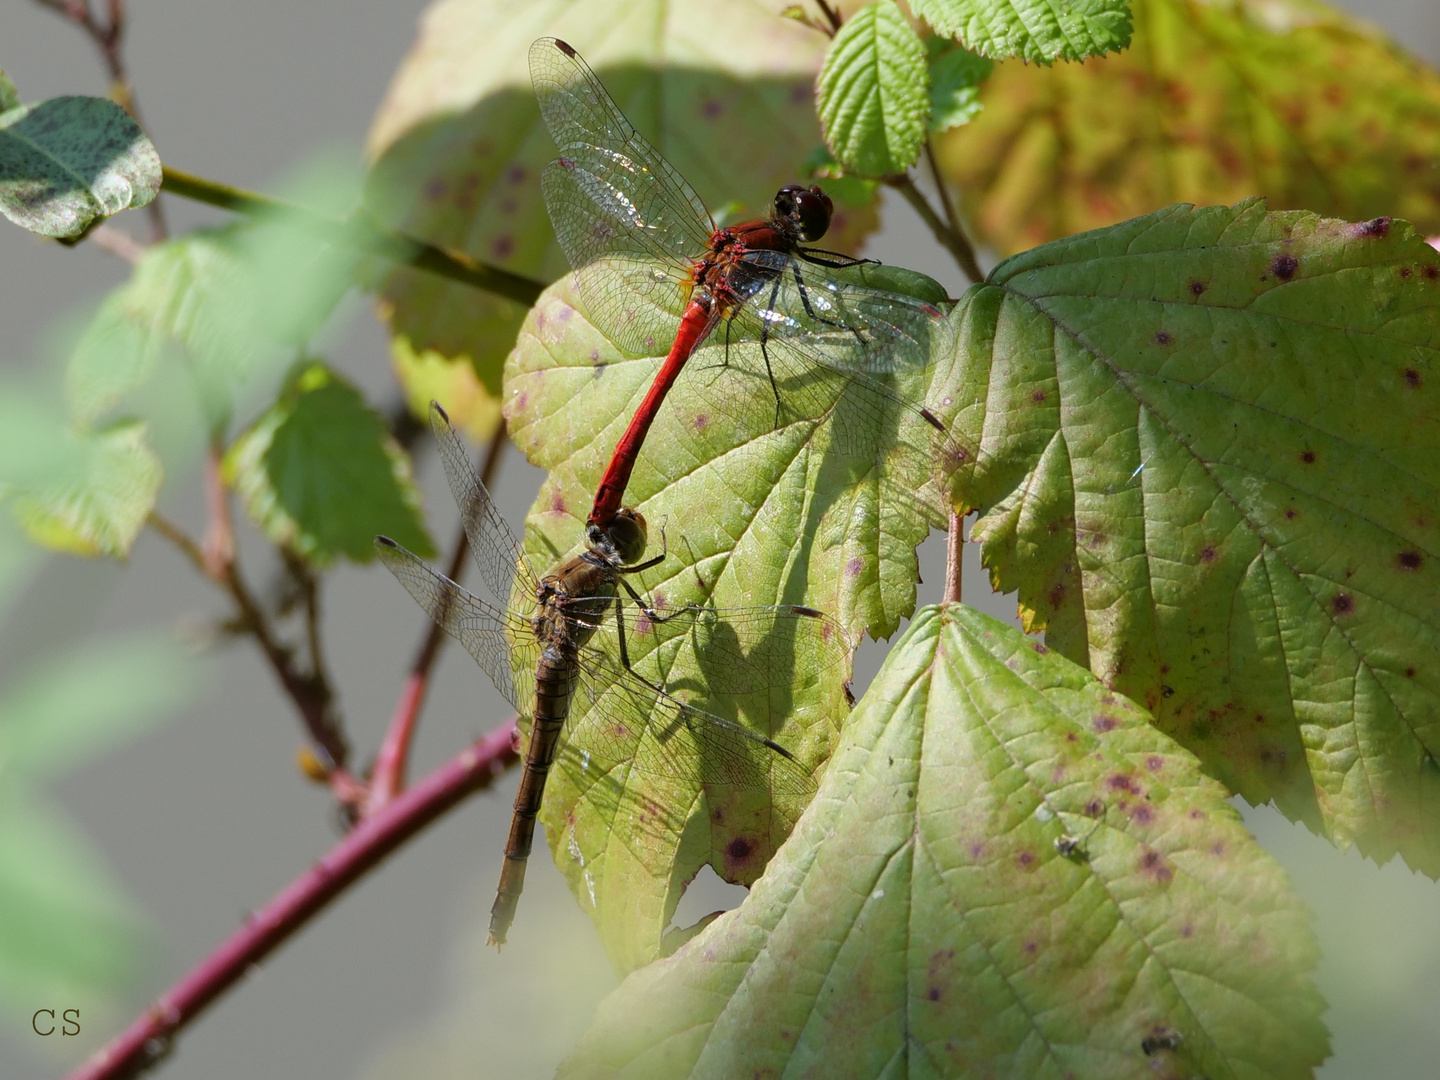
<point x="765" y="352"/>
<point x="804" y="291"/>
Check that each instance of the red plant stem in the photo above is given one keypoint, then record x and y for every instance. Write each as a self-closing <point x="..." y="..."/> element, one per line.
<point x="954" y="558"/>
<point x="149" y="1038"/>
<point x="387" y="778"/>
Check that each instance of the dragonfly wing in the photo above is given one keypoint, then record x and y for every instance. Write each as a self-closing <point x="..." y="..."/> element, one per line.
<point x="627" y="287"/>
<point x="676" y="713"/>
<point x="492" y="545"/>
<point x="591" y="131"/>
<point x="500" y="643"/>
<point x="819" y="347"/>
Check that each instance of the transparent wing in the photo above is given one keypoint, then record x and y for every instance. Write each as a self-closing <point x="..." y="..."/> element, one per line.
<point x="702" y="696"/>
<point x="827" y="347"/>
<point x="629" y="285"/>
<point x="501" y="643"/>
<point x="650" y="195"/>
<point x="492" y="545"/>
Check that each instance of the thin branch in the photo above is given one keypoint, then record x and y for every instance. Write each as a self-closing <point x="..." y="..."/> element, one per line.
<point x="387" y="778"/>
<point x="152" y="1035"/>
<point x="954" y="558"/>
<point x="108" y="37"/>
<point x="362" y="234"/>
<point x="117" y="242"/>
<point x="954" y="240"/>
<point x="946" y="203"/>
<point x="311" y="694"/>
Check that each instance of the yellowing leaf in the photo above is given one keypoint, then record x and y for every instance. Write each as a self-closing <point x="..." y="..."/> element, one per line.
<point x="1007" y="871"/>
<point x="722" y="87"/>
<point x="1217" y="100"/>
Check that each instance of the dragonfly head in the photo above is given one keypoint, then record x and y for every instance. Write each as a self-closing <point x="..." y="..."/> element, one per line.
<point x="803" y="212"/>
<point x="623" y="538"/>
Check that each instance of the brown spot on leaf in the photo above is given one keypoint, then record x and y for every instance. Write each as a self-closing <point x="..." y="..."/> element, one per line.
<point x="1121" y="782"/>
<point x="1038" y="396"/>
<point x="1284" y="266"/>
<point x="738" y="849"/>
<point x="1153" y="864"/>
<point x="1163" y="337"/>
<point x="1431" y="272"/>
<point x="1094" y="808"/>
<point x="1207" y="554"/>
<point x="1142" y="815"/>
<point x="1405" y="271"/>
<point x="702" y="421"/>
<point x="1025" y="858"/>
<point x="1154" y="763"/>
<point x="1413" y="379"/>
<point x="1409" y="673"/>
<point x="1104" y="722"/>
<point x="1342" y="604"/>
<point x="1409" y="560"/>
<point x="1291" y="513"/>
<point x="1197" y="815"/>
<point x="1375" y="227"/>
<point x="1197" y="288"/>
<point x="1056" y="595"/>
<point x="1039" y="647"/>
<point x="855" y="566"/>
<point x="557" y="503"/>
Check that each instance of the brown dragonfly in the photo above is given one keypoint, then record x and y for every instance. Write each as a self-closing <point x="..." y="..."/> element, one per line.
<point x="548" y="642"/>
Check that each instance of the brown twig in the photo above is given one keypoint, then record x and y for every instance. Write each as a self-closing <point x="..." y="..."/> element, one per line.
<point x="953" y="239"/>
<point x="117" y="242"/>
<point x="151" y="1036"/>
<point x="387" y="778"/>
<point x="108" y="38"/>
<point x="362" y="234"/>
<point x="311" y="693"/>
<point x="954" y="558"/>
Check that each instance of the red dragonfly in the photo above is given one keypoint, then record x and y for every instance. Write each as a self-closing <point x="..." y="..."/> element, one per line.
<point x="646" y="252"/>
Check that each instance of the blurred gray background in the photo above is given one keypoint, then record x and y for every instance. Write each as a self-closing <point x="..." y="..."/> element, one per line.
<point x="207" y="817"/>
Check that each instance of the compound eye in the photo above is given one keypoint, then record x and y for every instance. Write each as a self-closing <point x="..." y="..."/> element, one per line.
<point x="627" y="533"/>
<point x="813" y="211"/>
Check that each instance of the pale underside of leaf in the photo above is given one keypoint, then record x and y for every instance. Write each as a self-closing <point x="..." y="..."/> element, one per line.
<point x="1006" y="871"/>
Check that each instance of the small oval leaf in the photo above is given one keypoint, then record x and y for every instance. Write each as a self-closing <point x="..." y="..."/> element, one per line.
<point x="69" y="161"/>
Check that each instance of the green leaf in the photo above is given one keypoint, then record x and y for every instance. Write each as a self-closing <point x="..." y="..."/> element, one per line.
<point x="320" y="473"/>
<point x="1201" y="445"/>
<point x="69" y="161"/>
<point x="693" y="85"/>
<point x="758" y="515"/>
<point x="214" y="312"/>
<point x="92" y="500"/>
<point x="742" y="488"/>
<point x="70" y="933"/>
<point x="1007" y="871"/>
<point x="9" y="96"/>
<point x="1038" y="31"/>
<point x="77" y="706"/>
<point x="955" y="78"/>
<point x="872" y="96"/>
<point x="1216" y="102"/>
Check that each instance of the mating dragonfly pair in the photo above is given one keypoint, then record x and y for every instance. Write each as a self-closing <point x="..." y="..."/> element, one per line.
<point x="646" y="254"/>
